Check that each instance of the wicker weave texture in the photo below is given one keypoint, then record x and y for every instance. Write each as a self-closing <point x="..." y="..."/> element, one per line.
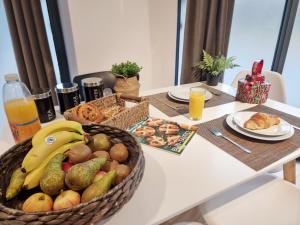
<point x="123" y="119"/>
<point x="85" y="213"/>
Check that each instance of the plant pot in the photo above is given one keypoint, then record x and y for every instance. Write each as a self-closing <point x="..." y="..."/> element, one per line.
<point x="127" y="86"/>
<point x="212" y="80"/>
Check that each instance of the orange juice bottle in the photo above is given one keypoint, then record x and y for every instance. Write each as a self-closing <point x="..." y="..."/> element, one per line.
<point x="196" y="103"/>
<point x="20" y="109"/>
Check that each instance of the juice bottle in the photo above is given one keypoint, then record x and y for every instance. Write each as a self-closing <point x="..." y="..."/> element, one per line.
<point x="196" y="103"/>
<point x="20" y="109"/>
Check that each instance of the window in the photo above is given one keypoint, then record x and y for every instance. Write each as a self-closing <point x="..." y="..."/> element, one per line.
<point x="7" y="56"/>
<point x="254" y="32"/>
<point x="291" y="69"/>
<point x="181" y="37"/>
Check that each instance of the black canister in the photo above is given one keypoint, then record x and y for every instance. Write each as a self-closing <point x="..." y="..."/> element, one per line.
<point x="44" y="104"/>
<point x="68" y="96"/>
<point x="92" y="88"/>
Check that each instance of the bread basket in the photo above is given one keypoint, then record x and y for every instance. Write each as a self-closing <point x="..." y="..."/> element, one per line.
<point x="122" y="120"/>
<point x="85" y="213"/>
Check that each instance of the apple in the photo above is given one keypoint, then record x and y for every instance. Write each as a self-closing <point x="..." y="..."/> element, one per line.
<point x="38" y="202"/>
<point x="66" y="166"/>
<point x="66" y="199"/>
<point x="101" y="154"/>
<point x="98" y="176"/>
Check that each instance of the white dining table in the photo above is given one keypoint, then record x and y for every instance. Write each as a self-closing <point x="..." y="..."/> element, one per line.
<point x="173" y="183"/>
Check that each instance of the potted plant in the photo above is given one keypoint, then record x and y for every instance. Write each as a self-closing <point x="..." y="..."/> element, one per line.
<point x="214" y="67"/>
<point x="127" y="78"/>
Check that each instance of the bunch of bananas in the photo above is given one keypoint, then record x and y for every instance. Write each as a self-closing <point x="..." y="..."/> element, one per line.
<point x="55" y="138"/>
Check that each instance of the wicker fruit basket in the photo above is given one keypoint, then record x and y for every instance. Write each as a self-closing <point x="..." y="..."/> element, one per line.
<point x="84" y="213"/>
<point x="122" y="120"/>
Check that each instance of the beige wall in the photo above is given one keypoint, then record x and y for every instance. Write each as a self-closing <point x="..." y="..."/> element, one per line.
<point x="99" y="33"/>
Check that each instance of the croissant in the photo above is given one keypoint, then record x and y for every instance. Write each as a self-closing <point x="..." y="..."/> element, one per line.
<point x="261" y="121"/>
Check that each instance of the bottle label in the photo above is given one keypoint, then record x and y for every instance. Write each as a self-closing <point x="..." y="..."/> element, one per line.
<point x="25" y="130"/>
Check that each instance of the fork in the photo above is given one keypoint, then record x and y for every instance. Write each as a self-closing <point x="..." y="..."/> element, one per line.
<point x="295" y="127"/>
<point x="219" y="134"/>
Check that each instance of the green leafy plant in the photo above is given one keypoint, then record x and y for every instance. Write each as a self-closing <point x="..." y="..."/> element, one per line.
<point x="215" y="65"/>
<point x="126" y="69"/>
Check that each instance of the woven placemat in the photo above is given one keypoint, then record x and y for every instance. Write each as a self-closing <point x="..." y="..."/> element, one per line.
<point x="172" y="108"/>
<point x="263" y="153"/>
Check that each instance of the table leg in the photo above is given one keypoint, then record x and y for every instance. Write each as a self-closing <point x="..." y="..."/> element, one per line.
<point x="289" y="171"/>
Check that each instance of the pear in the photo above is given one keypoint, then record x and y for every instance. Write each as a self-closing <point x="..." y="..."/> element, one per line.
<point x="100" y="142"/>
<point x="15" y="185"/>
<point x="52" y="181"/>
<point x="99" y="188"/>
<point x="81" y="175"/>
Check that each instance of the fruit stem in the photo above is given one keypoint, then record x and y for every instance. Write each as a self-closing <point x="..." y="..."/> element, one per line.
<point x="87" y="138"/>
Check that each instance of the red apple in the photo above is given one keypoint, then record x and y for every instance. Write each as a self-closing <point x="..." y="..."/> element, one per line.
<point x="99" y="176"/>
<point x="66" y="166"/>
<point x="66" y="199"/>
<point x="38" y="202"/>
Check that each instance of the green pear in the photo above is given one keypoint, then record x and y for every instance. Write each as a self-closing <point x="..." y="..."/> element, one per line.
<point x="81" y="175"/>
<point x="52" y="181"/>
<point x="100" y="142"/>
<point x="16" y="181"/>
<point x="100" y="187"/>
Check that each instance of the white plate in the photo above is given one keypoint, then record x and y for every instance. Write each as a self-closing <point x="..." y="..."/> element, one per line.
<point x="234" y="126"/>
<point x="183" y="94"/>
<point x="276" y="130"/>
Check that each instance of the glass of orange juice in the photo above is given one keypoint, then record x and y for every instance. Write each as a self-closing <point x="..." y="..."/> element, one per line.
<point x="196" y="104"/>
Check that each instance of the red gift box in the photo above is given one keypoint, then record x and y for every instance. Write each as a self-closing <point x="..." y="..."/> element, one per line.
<point x="253" y="89"/>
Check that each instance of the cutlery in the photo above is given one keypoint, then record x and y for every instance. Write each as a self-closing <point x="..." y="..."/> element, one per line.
<point x="219" y="134"/>
<point x="214" y="92"/>
<point x="295" y="127"/>
<point x="174" y="107"/>
<point x="171" y="106"/>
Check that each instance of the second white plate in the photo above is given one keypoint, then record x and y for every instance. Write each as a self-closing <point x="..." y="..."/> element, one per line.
<point x="183" y="94"/>
<point x="276" y="130"/>
<point x="234" y="126"/>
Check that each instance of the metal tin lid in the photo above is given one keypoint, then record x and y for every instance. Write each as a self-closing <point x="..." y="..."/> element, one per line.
<point x="11" y="77"/>
<point x="66" y="87"/>
<point x="92" y="82"/>
<point x="40" y="93"/>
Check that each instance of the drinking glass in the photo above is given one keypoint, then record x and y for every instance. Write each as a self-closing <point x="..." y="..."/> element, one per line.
<point x="196" y="104"/>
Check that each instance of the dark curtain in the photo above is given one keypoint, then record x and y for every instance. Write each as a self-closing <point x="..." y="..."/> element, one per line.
<point x="30" y="43"/>
<point x="207" y="26"/>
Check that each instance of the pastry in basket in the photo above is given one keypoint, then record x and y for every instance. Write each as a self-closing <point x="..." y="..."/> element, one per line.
<point x="156" y="141"/>
<point x="153" y="122"/>
<point x="111" y="111"/>
<point x="173" y="139"/>
<point x="144" y="131"/>
<point x="169" y="128"/>
<point x="89" y="112"/>
<point x="260" y="121"/>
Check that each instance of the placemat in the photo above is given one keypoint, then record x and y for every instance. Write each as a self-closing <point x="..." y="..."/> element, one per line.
<point x="172" y="107"/>
<point x="263" y="153"/>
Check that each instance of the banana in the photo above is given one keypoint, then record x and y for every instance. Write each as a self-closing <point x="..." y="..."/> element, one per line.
<point x="38" y="153"/>
<point x="32" y="180"/>
<point x="55" y="127"/>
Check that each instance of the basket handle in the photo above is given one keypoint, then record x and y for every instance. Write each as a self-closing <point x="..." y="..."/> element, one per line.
<point x="131" y="97"/>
